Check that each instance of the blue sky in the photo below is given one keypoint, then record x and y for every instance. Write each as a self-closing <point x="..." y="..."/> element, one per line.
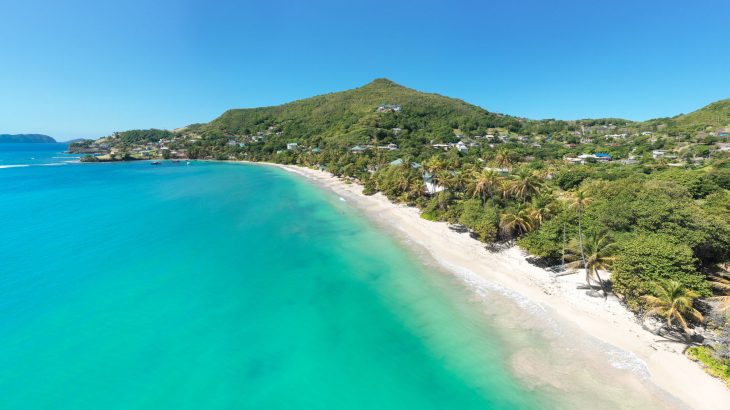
<point x="87" y="68"/>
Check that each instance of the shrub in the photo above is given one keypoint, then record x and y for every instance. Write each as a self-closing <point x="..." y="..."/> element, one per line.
<point x="483" y="222"/>
<point x="649" y="258"/>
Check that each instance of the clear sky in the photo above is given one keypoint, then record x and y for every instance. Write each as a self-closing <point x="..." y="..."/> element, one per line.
<point x="87" y="68"/>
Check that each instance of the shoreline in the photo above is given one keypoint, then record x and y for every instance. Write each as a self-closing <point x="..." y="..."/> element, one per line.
<point x="667" y="369"/>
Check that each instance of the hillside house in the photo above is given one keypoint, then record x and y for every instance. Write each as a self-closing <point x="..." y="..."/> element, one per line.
<point x="388" y="108"/>
<point x="389" y="147"/>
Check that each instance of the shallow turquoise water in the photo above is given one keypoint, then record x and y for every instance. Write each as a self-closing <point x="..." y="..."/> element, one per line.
<point x="224" y="286"/>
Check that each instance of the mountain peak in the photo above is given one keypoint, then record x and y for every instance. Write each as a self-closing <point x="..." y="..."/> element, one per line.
<point x="382" y="82"/>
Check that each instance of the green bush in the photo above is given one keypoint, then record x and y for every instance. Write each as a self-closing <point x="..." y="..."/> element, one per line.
<point x="547" y="242"/>
<point x="649" y="258"/>
<point x="480" y="220"/>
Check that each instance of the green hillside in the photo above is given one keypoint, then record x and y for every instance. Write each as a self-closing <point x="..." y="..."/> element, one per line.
<point x="352" y="116"/>
<point x="708" y="118"/>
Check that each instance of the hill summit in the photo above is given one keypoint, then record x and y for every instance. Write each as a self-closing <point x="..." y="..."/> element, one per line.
<point x="372" y="111"/>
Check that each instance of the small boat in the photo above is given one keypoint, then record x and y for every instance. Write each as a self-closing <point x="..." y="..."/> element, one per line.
<point x="187" y="162"/>
<point x="175" y="161"/>
<point x="156" y="162"/>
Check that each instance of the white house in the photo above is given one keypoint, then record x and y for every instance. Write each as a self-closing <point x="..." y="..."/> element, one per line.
<point x="292" y="146"/>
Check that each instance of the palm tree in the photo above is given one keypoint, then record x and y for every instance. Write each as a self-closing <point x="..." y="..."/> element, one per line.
<point x="504" y="159"/>
<point x="579" y="200"/>
<point x="674" y="303"/>
<point x="550" y="169"/>
<point x="721" y="282"/>
<point x="458" y="181"/>
<point x="542" y="209"/>
<point x="596" y="254"/>
<point x="516" y="222"/>
<point x="444" y="178"/>
<point x="485" y="184"/>
<point x="434" y="166"/>
<point x="409" y="185"/>
<point x="525" y="185"/>
<point x="505" y="188"/>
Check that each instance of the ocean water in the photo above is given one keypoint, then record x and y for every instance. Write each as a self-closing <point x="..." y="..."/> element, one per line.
<point x="228" y="286"/>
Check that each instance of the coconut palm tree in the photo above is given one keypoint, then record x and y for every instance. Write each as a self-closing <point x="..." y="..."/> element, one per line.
<point x="409" y="185"/>
<point x="542" y="209"/>
<point x="515" y="222"/>
<point x="505" y="188"/>
<point x="485" y="184"/>
<point x="458" y="181"/>
<point x="721" y="283"/>
<point x="596" y="253"/>
<point x="434" y="166"/>
<point x="525" y="185"/>
<point x="504" y="159"/>
<point x="579" y="200"/>
<point x="444" y="178"/>
<point x="673" y="303"/>
<point x="550" y="169"/>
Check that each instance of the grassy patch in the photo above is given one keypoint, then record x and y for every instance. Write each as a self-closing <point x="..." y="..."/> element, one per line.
<point x="714" y="366"/>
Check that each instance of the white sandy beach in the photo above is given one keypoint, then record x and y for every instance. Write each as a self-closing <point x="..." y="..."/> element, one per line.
<point x="605" y="320"/>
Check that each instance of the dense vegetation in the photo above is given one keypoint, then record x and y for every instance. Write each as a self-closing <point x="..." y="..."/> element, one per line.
<point x="654" y="228"/>
<point x="351" y="117"/>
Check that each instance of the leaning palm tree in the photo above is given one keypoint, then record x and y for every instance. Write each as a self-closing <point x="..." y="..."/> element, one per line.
<point x="595" y="254"/>
<point x="485" y="184"/>
<point x="579" y="200"/>
<point x="515" y="222"/>
<point x="525" y="185"/>
<point x="721" y="283"/>
<point x="673" y="303"/>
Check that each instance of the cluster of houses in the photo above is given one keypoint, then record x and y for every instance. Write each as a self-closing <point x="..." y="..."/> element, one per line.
<point x="585" y="158"/>
<point x="459" y="146"/>
<point x="358" y="149"/>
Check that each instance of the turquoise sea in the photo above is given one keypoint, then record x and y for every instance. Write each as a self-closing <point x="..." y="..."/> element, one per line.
<point x="226" y="286"/>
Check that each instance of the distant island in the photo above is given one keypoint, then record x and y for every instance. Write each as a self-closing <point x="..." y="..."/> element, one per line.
<point x="26" y="138"/>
